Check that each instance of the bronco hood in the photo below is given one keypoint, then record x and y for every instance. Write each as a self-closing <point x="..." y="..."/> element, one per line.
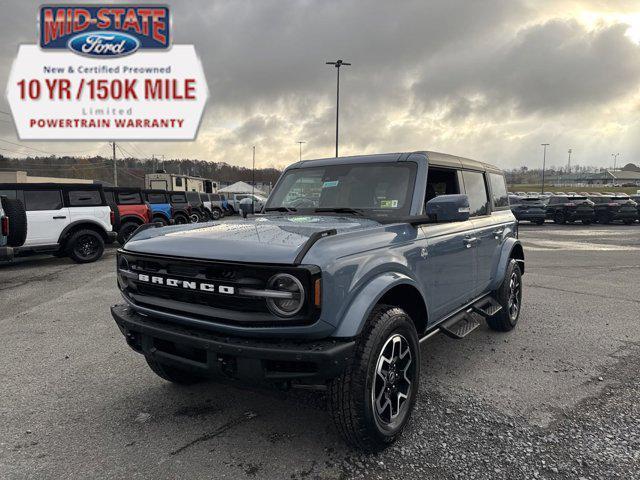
<point x="260" y="239"/>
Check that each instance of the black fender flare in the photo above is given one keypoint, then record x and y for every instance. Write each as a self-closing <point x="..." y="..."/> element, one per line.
<point x="89" y="224"/>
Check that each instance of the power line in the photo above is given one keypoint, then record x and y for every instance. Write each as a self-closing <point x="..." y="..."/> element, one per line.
<point x="25" y="146"/>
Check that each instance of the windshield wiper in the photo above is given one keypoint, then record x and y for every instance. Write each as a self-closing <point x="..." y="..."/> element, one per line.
<point x="281" y="209"/>
<point x="354" y="211"/>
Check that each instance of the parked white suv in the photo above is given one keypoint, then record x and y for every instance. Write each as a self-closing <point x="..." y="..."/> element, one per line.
<point x="64" y="219"/>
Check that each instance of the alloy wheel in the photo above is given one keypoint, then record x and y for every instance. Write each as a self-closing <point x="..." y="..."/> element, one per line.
<point x="392" y="383"/>
<point x="86" y="246"/>
<point x="515" y="295"/>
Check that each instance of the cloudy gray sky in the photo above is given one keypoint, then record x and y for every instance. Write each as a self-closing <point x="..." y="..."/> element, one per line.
<point x="488" y="79"/>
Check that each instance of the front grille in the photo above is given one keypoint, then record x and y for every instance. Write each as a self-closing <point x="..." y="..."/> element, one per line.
<point x="211" y="305"/>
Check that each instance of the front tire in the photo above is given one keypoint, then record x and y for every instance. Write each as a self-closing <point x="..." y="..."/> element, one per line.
<point x="586" y="222"/>
<point x="180" y="219"/>
<point x="372" y="401"/>
<point x="172" y="374"/>
<point x="85" y="246"/>
<point x="216" y="214"/>
<point x="559" y="218"/>
<point x="509" y="296"/>
<point x="195" y="217"/>
<point x="125" y="232"/>
<point x="161" y="220"/>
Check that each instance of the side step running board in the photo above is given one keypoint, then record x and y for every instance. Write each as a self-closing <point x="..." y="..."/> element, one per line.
<point x="463" y="323"/>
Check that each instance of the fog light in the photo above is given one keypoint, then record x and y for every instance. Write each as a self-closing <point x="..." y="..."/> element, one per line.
<point x="292" y="303"/>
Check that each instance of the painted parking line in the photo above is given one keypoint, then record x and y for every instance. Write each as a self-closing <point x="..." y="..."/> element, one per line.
<point x="541" y="245"/>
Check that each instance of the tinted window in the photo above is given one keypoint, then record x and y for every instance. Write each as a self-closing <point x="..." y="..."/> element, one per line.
<point x="8" y="193"/>
<point x="204" y="197"/>
<point x="193" y="197"/>
<point x="110" y="198"/>
<point x="476" y="190"/>
<point x="42" y="200"/>
<point x="178" y="198"/>
<point x="130" y="198"/>
<point x="157" y="198"/>
<point x="498" y="190"/>
<point x="215" y="197"/>
<point x="84" y="198"/>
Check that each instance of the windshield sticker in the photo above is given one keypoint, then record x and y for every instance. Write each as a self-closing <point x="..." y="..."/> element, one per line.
<point x="333" y="183"/>
<point x="388" y="203"/>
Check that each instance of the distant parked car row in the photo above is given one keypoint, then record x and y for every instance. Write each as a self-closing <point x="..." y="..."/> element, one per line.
<point x="77" y="220"/>
<point x="585" y="207"/>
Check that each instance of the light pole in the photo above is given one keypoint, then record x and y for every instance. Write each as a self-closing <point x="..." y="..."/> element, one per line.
<point x="615" y="160"/>
<point x="253" y="177"/>
<point x="299" y="142"/>
<point x="544" y="162"/>
<point x="338" y="64"/>
<point x="569" y="165"/>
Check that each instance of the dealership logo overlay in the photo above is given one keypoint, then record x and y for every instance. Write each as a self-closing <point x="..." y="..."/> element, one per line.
<point x="104" y="31"/>
<point x="106" y="72"/>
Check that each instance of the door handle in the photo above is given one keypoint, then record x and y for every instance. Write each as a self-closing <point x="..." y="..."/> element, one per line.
<point x="469" y="241"/>
<point x="59" y="217"/>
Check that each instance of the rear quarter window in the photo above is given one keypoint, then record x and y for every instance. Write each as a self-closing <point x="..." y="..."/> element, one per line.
<point x="84" y="198"/>
<point x="178" y="198"/>
<point x="42" y="200"/>
<point x="476" y="190"/>
<point x="131" y="198"/>
<point x="499" y="195"/>
<point x="157" y="198"/>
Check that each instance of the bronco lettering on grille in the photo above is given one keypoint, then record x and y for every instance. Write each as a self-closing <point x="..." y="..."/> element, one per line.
<point x="189" y="285"/>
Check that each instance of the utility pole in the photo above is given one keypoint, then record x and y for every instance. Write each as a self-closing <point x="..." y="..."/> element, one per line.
<point x="253" y="179"/>
<point x="569" y="164"/>
<point x="544" y="162"/>
<point x="615" y="160"/>
<point x="338" y="64"/>
<point x="301" y="149"/>
<point x="115" y="165"/>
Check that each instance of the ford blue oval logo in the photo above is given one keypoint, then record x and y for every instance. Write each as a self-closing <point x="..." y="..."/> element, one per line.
<point x="104" y="44"/>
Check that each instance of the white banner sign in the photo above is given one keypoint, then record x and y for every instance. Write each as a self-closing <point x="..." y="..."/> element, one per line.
<point x="59" y="95"/>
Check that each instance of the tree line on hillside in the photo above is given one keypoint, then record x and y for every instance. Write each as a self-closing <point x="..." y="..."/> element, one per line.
<point x="525" y="175"/>
<point x="131" y="171"/>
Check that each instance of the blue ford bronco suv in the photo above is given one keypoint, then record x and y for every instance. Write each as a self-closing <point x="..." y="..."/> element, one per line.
<point x="351" y="265"/>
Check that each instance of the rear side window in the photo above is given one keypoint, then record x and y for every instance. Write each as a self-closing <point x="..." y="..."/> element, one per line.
<point x="215" y="197"/>
<point x="476" y="190"/>
<point x="110" y="198"/>
<point x="131" y="198"/>
<point x="499" y="194"/>
<point x="178" y="198"/>
<point x="204" y="197"/>
<point x="84" y="198"/>
<point x="8" y="193"/>
<point x="42" y="200"/>
<point x="157" y="198"/>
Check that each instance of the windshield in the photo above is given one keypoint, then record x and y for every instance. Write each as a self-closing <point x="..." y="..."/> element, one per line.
<point x="373" y="189"/>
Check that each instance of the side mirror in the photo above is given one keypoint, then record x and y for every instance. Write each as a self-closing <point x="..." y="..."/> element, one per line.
<point x="448" y="208"/>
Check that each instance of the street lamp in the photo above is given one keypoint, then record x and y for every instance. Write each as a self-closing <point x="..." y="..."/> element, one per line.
<point x="338" y="64"/>
<point x="569" y="166"/>
<point x="300" y="142"/>
<point x="544" y="162"/>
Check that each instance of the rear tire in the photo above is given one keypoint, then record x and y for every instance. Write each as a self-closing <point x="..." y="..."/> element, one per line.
<point x="559" y="218"/>
<point x="586" y="222"/>
<point x="628" y="221"/>
<point x="181" y="219"/>
<point x="172" y="374"/>
<point x="195" y="217"/>
<point x="385" y="371"/>
<point x="509" y="296"/>
<point x="126" y="230"/>
<point x="161" y="220"/>
<point x="17" y="221"/>
<point x="540" y="221"/>
<point x="85" y="246"/>
<point x="216" y="214"/>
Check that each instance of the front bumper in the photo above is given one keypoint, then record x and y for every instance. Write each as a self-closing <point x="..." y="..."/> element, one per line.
<point x="213" y="355"/>
<point x="6" y="253"/>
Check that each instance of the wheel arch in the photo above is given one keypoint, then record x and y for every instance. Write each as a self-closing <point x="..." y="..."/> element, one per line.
<point x="82" y="224"/>
<point x="132" y="218"/>
<point x="511" y="250"/>
<point x="392" y="288"/>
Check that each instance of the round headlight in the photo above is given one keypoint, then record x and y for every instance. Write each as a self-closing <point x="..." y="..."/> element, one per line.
<point x="293" y="298"/>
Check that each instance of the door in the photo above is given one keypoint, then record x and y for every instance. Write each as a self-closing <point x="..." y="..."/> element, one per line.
<point x="46" y="216"/>
<point x="448" y="267"/>
<point x="488" y="233"/>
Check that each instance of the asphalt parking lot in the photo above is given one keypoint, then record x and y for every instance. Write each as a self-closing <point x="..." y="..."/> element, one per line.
<point x="555" y="398"/>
